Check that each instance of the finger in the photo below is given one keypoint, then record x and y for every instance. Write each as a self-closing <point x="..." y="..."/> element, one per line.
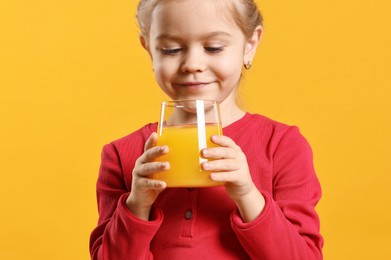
<point x="220" y="153"/>
<point x="147" y="169"/>
<point x="232" y="180"/>
<point x="151" y="184"/>
<point x="222" y="140"/>
<point x="221" y="176"/>
<point x="153" y="153"/>
<point x="152" y="141"/>
<point x="221" y="165"/>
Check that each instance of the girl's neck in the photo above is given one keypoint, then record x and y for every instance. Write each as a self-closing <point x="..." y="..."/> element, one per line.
<point x="230" y="112"/>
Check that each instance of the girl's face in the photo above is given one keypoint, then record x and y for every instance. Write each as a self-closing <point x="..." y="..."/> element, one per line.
<point x="197" y="52"/>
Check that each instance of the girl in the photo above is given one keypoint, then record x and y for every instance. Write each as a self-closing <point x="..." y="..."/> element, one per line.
<point x="266" y="208"/>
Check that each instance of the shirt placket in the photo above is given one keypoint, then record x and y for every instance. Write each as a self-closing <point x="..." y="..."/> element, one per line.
<point x="190" y="214"/>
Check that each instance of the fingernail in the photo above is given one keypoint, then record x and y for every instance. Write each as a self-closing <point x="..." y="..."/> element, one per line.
<point x="165" y="165"/>
<point x="214" y="176"/>
<point x="205" y="165"/>
<point x="205" y="152"/>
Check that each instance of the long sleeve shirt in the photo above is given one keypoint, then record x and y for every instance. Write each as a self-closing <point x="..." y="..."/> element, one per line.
<point x="204" y="223"/>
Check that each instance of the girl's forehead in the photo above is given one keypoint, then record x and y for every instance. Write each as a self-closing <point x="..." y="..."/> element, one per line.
<point x="193" y="2"/>
<point x="194" y="7"/>
<point x="192" y="15"/>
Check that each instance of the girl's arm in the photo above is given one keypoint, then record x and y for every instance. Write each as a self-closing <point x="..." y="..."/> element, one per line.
<point x="120" y="233"/>
<point x="286" y="225"/>
<point x="230" y="166"/>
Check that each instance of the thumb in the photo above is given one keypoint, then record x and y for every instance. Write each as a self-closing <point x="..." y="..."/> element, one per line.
<point x="151" y="142"/>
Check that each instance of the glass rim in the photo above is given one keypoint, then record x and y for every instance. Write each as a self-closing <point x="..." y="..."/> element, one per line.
<point x="177" y="102"/>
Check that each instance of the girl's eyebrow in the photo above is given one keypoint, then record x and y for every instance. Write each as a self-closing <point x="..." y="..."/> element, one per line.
<point x="167" y="36"/>
<point x="217" y="33"/>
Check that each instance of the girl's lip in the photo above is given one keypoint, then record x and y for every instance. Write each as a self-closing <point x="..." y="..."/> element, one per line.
<point x="192" y="84"/>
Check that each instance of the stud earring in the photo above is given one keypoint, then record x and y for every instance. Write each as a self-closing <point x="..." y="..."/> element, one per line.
<point x="248" y="65"/>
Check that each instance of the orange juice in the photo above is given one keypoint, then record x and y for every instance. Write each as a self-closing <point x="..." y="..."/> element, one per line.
<point x="184" y="155"/>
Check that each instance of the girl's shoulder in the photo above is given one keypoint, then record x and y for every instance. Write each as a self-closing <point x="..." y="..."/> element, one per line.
<point x="252" y="121"/>
<point x="136" y="138"/>
<point x="256" y="128"/>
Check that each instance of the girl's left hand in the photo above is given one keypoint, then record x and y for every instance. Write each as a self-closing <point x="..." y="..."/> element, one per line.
<point x="229" y="164"/>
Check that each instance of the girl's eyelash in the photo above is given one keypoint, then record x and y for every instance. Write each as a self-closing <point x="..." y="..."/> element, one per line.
<point x="175" y="51"/>
<point x="213" y="49"/>
<point x="171" y="51"/>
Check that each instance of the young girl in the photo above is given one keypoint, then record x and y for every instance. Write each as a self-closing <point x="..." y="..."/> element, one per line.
<point x="266" y="208"/>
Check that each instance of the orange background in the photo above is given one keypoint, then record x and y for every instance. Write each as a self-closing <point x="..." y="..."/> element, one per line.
<point x="74" y="77"/>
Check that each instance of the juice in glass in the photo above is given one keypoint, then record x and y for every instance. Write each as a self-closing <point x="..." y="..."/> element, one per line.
<point x="184" y="155"/>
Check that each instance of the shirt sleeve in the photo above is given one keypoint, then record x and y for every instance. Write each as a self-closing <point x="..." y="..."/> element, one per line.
<point x="288" y="227"/>
<point x="119" y="234"/>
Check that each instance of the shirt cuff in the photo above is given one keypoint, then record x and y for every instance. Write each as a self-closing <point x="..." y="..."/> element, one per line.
<point x="156" y="215"/>
<point x="236" y="219"/>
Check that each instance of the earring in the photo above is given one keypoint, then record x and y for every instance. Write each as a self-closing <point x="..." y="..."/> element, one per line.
<point x="247" y="66"/>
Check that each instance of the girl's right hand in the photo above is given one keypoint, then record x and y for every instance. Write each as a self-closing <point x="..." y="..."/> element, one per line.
<point x="144" y="189"/>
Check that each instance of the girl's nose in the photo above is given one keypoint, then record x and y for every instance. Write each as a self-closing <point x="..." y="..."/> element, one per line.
<point x="193" y="62"/>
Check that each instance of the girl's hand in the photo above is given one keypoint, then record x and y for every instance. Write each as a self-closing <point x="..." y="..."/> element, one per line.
<point x="229" y="165"/>
<point x="144" y="189"/>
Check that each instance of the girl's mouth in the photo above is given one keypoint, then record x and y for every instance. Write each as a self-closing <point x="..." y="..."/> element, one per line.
<point x="192" y="84"/>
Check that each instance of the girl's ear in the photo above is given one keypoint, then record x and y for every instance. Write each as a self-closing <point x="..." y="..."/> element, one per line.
<point x="252" y="44"/>
<point x="143" y="42"/>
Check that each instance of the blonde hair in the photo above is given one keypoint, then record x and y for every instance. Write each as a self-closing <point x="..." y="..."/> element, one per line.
<point x="245" y="13"/>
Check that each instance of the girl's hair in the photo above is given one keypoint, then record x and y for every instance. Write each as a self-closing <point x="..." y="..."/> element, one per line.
<point x="245" y="13"/>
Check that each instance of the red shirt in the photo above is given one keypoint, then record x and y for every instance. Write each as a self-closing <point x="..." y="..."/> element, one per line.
<point x="204" y="223"/>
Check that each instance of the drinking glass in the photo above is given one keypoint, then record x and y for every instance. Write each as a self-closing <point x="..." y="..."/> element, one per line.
<point x="186" y="126"/>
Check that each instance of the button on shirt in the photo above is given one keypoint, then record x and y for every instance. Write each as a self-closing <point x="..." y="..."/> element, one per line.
<point x="188" y="214"/>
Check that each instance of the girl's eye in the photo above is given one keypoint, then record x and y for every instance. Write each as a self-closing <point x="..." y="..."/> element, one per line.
<point x="171" y="51"/>
<point x="213" y="49"/>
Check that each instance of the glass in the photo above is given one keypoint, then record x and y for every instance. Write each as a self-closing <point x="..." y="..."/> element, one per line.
<point x="186" y="126"/>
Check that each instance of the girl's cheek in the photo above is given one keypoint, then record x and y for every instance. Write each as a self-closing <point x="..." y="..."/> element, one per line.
<point x="164" y="66"/>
